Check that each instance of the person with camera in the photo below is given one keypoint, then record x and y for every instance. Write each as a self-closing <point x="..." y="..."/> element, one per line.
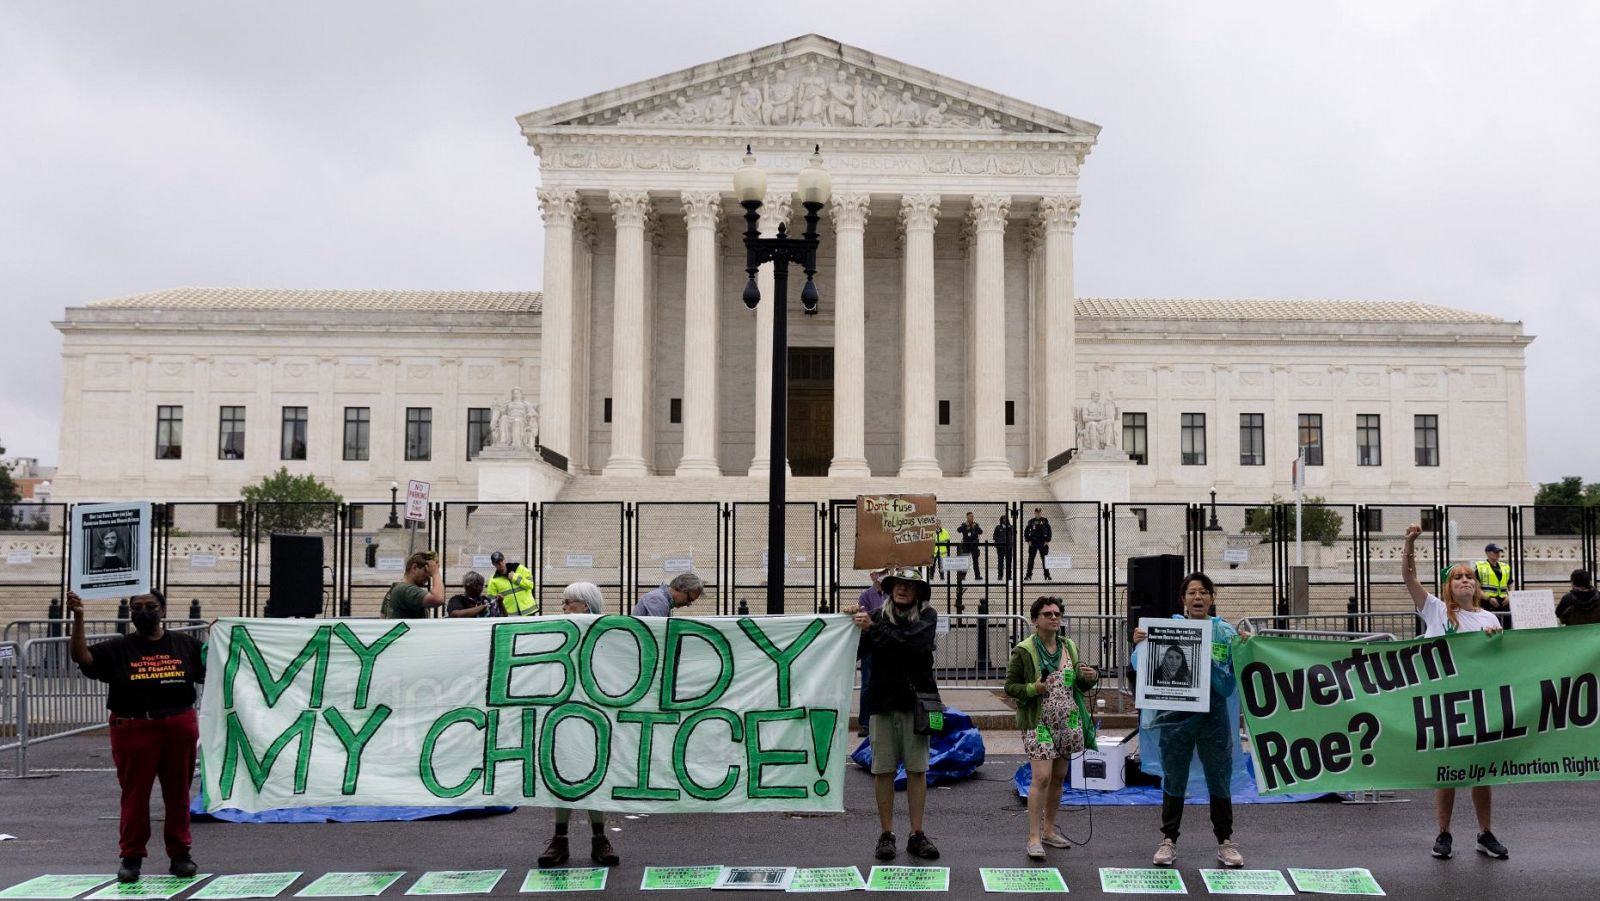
<point x="472" y="602"/>
<point x="512" y="585"/>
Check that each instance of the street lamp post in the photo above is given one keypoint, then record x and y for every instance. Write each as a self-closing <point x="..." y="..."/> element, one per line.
<point x="750" y="186"/>
<point x="394" y="500"/>
<point x="1213" y="525"/>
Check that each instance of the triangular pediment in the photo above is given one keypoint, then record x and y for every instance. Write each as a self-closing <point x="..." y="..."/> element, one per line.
<point x="813" y="83"/>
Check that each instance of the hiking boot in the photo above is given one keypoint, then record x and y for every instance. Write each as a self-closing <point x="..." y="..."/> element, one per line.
<point x="129" y="871"/>
<point x="1488" y="844"/>
<point x="1056" y="840"/>
<point x="886" y="849"/>
<point x="918" y="845"/>
<point x="1441" y="847"/>
<point x="1035" y="851"/>
<point x="1166" y="853"/>
<point x="602" y="853"/>
<point x="1228" y="855"/>
<point x="555" y="853"/>
<point x="183" y="866"/>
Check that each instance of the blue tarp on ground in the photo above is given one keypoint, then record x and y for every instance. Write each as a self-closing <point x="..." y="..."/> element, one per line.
<point x="338" y="814"/>
<point x="954" y="753"/>
<point x="1244" y="790"/>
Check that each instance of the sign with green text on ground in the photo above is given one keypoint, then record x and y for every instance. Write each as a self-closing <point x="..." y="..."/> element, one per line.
<point x="715" y="714"/>
<point x="1465" y="709"/>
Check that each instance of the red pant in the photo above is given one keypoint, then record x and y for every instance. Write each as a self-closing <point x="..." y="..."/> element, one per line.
<point x="145" y="750"/>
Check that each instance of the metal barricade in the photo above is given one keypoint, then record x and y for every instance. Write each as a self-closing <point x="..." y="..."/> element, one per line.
<point x="973" y="649"/>
<point x="23" y="631"/>
<point x="9" y="655"/>
<point x="1395" y="623"/>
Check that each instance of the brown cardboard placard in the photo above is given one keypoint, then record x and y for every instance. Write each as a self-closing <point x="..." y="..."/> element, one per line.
<point x="895" y="529"/>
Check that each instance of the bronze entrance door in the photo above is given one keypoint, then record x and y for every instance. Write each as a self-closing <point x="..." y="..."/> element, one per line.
<point x="810" y="410"/>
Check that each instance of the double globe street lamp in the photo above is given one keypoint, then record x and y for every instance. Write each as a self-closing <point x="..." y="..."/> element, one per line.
<point x="750" y="187"/>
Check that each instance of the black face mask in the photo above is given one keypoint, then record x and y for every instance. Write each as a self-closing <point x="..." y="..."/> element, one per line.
<point x="146" y="619"/>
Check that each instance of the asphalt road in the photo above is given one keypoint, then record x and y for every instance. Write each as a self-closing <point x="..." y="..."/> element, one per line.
<point x="67" y="824"/>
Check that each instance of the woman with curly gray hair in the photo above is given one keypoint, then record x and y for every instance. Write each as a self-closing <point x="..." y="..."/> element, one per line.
<point x="578" y="599"/>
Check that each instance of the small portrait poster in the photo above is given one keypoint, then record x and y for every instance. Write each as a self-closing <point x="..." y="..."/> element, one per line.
<point x="1174" y="668"/>
<point x="111" y="555"/>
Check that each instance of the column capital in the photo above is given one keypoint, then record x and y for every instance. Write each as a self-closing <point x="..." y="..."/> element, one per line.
<point x="630" y="207"/>
<point x="1059" y="213"/>
<point x="919" y="211"/>
<point x="775" y="209"/>
<point x="558" y="206"/>
<point x="702" y="209"/>
<point x="988" y="212"/>
<point x="850" y="211"/>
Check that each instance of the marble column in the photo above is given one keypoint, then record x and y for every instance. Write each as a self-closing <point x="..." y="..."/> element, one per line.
<point x="987" y="368"/>
<point x="849" y="213"/>
<point x="701" y="212"/>
<point x="1058" y="217"/>
<point x="628" y="209"/>
<point x="582" y="343"/>
<point x="919" y="213"/>
<point x="558" y="207"/>
<point x="774" y="211"/>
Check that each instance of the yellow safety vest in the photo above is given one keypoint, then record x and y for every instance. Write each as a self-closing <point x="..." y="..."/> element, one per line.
<point x="941" y="544"/>
<point x="1494" y="587"/>
<point x="516" y="591"/>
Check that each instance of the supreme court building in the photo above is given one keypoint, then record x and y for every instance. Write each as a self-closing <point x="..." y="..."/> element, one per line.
<point x="951" y="352"/>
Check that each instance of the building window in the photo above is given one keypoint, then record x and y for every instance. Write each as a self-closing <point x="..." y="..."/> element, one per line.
<point x="605" y="414"/>
<point x="1429" y="519"/>
<point x="1136" y="437"/>
<point x="944" y="412"/>
<point x="1252" y="439"/>
<point x="1194" y="439"/>
<point x="1011" y="412"/>
<point x="1369" y="440"/>
<point x="1372" y="519"/>
<point x="230" y="434"/>
<point x="169" y="433"/>
<point x="357" y="433"/>
<point x="358" y="516"/>
<point x="1141" y="514"/>
<point x="419" y="433"/>
<point x="227" y="516"/>
<point x="294" y="434"/>
<point x="1311" y="437"/>
<point x="675" y="411"/>
<point x="1427" y="428"/>
<point x="478" y="433"/>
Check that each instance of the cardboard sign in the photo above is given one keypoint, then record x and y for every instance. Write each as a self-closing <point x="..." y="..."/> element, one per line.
<point x="895" y="530"/>
<point x="417" y="500"/>
<point x="1534" y="609"/>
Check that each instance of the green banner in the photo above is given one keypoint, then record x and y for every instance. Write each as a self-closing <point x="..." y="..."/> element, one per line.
<point x="456" y="882"/>
<point x="1143" y="881"/>
<point x="350" y="885"/>
<point x="707" y="714"/>
<point x="1022" y="880"/>
<point x="673" y="878"/>
<point x="149" y="887"/>
<point x="1246" y="882"/>
<point x="827" y="879"/>
<point x="1466" y="709"/>
<point x="246" y="885"/>
<point x="568" y="879"/>
<point x="909" y="879"/>
<point x="1352" y="881"/>
<point x="46" y="887"/>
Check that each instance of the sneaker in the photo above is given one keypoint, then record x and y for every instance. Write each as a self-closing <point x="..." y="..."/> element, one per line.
<point x="861" y="731"/>
<point x="886" y="849"/>
<point x="129" y="871"/>
<point x="555" y="853"/>
<point x="1488" y="844"/>
<point x="1056" y="840"/>
<point x="919" y="845"/>
<point x="183" y="866"/>
<point x="1035" y="851"/>
<point x="602" y="853"/>
<point x="1441" y="846"/>
<point x="1228" y="855"/>
<point x="1166" y="853"/>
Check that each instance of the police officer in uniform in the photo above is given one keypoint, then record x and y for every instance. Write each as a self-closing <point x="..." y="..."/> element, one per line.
<point x="1495" y="577"/>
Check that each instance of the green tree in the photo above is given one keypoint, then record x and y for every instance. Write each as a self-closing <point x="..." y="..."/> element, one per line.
<point x="9" y="494"/>
<point x="290" y="503"/>
<point x="1323" y="523"/>
<point x="1556" y="505"/>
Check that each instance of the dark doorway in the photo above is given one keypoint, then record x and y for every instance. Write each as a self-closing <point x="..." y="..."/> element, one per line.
<point x="810" y="410"/>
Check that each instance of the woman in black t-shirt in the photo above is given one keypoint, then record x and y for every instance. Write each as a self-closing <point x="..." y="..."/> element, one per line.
<point x="152" y="676"/>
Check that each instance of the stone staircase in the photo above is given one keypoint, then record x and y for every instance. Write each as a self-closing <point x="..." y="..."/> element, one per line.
<point x="753" y="489"/>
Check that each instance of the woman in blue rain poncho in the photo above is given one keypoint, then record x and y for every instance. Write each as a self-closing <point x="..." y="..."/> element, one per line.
<point x="1170" y="741"/>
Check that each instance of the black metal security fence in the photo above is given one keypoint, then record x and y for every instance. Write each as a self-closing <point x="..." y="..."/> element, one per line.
<point x="219" y="558"/>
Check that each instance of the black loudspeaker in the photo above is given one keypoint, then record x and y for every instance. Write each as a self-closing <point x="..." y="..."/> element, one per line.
<point x="1153" y="587"/>
<point x="296" y="586"/>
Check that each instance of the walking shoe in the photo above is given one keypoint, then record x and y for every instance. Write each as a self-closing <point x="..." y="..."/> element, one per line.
<point x="183" y="866"/>
<point x="1056" y="840"/>
<point x="918" y="845"/>
<point x="602" y="853"/>
<point x="129" y="871"/>
<point x="886" y="849"/>
<point x="861" y="731"/>
<point x="1166" y="853"/>
<point x="555" y="853"/>
<point x="1228" y="855"/>
<point x="1035" y="851"/>
<point x="1488" y="844"/>
<point x="1441" y="846"/>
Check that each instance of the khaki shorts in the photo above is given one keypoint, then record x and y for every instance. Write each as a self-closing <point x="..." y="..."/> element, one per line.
<point x="895" y="741"/>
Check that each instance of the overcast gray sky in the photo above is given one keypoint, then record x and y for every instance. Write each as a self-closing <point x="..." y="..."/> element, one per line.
<point x="1436" y="151"/>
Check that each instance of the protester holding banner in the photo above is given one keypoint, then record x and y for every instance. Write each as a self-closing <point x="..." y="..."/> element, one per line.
<point x="871" y="600"/>
<point x="1178" y="737"/>
<point x="1462" y="610"/>
<point x="1581" y="605"/>
<point x="576" y="599"/>
<point x="152" y="675"/>
<point x="423" y="588"/>
<point x="904" y="697"/>
<point x="1051" y="715"/>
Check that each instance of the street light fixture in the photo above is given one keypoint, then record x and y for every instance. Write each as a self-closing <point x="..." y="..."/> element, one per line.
<point x="750" y="186"/>
<point x="394" y="500"/>
<point x="1213" y="526"/>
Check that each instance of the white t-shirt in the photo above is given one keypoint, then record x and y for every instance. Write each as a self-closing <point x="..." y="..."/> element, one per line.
<point x="1437" y="618"/>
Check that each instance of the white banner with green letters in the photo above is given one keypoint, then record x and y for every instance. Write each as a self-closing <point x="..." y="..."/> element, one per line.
<point x="598" y="712"/>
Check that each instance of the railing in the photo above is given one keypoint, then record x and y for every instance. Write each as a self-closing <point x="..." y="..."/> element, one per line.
<point x="1402" y="623"/>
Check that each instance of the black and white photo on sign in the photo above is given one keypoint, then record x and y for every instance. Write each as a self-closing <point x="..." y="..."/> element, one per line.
<point x="768" y="878"/>
<point x="113" y="558"/>
<point x="1172" y="668"/>
<point x="111" y="549"/>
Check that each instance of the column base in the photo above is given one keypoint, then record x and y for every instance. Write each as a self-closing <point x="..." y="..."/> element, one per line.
<point x="990" y="469"/>
<point x="703" y="467"/>
<point x="762" y="468"/>
<point x="849" y="468"/>
<point x="625" y="467"/>
<point x="920" y="468"/>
